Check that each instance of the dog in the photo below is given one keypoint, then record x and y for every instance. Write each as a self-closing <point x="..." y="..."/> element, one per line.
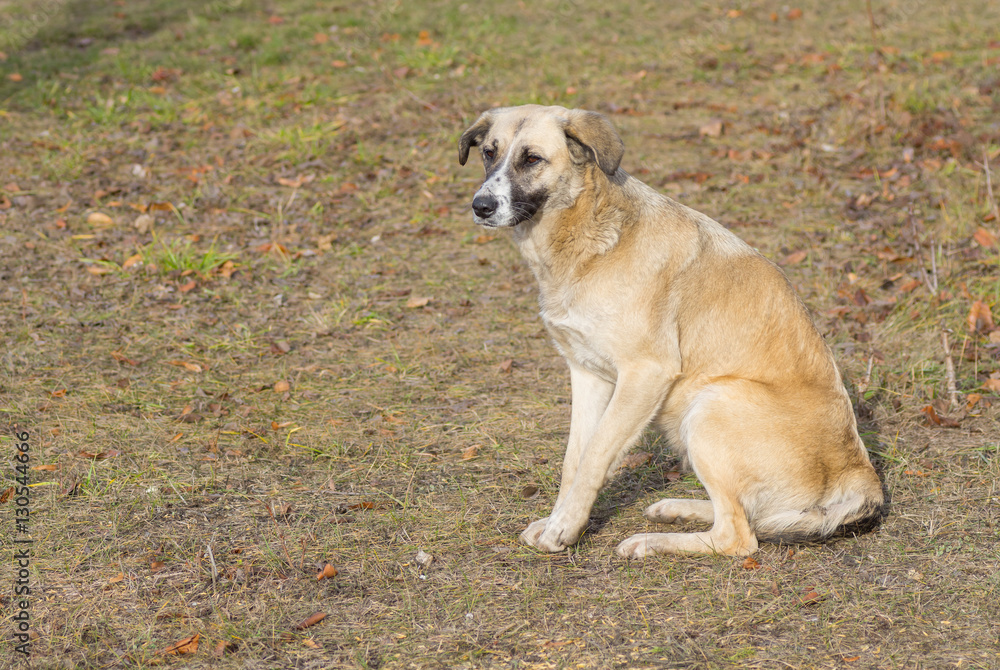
<point x="667" y="319"/>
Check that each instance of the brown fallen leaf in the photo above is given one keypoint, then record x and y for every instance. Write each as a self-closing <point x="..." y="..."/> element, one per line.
<point x="122" y="358"/>
<point x="985" y="238"/>
<point x="794" y="14"/>
<point x="933" y="418"/>
<point x="367" y="504"/>
<point x="328" y="572"/>
<point x="470" y="452"/>
<point x="672" y="475"/>
<point x="506" y="366"/>
<point x="46" y="467"/>
<point x="100" y="220"/>
<point x="100" y="456"/>
<point x="636" y="459"/>
<point x="529" y="491"/>
<point x="310" y="621"/>
<point x="281" y="386"/>
<point x="713" y="128"/>
<point x="187" y="365"/>
<point x="861" y="298"/>
<point x="794" y="258"/>
<point x="980" y="319"/>
<point x="188" y="645"/>
<point x="751" y="563"/>
<point x="117" y="578"/>
<point x="222" y="646"/>
<point x="311" y="643"/>
<point x="992" y="385"/>
<point x="156" y="566"/>
<point x="810" y="596"/>
<point x="416" y="302"/>
<point x="6" y="494"/>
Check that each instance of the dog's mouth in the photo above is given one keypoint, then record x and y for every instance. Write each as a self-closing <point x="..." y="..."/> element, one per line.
<point x="516" y="214"/>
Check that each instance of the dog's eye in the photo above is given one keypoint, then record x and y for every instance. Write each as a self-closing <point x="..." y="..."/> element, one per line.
<point x="489" y="153"/>
<point x="532" y="159"/>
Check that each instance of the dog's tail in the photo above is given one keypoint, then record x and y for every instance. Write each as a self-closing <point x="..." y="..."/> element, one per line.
<point x="855" y="506"/>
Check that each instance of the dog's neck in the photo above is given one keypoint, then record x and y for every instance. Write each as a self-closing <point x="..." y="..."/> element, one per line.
<point x="563" y="239"/>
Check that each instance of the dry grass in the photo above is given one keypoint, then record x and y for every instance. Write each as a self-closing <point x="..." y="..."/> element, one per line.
<point x="305" y="405"/>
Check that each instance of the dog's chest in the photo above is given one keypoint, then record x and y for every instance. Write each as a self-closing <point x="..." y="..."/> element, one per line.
<point x="579" y="335"/>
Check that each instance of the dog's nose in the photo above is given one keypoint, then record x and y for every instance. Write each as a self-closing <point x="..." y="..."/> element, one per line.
<point x="484" y="206"/>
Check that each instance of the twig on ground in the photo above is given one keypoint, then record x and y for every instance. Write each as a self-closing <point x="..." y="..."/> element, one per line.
<point x="989" y="186"/>
<point x="930" y="280"/>
<point x="215" y="568"/>
<point x="949" y="371"/>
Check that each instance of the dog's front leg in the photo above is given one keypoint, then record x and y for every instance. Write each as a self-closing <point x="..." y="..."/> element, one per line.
<point x="590" y="398"/>
<point x="636" y="399"/>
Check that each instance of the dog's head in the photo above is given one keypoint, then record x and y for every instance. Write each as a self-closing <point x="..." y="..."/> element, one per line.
<point x="534" y="157"/>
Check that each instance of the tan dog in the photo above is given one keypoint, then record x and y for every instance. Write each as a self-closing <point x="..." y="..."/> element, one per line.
<point x="666" y="318"/>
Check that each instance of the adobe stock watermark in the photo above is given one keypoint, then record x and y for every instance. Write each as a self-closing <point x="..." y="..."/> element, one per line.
<point x="16" y="30"/>
<point x="22" y="545"/>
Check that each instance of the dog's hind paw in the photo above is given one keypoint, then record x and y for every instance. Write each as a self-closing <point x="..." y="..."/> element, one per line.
<point x="671" y="510"/>
<point x="638" y="546"/>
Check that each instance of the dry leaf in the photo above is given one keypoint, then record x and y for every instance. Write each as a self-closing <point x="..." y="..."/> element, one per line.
<point x="311" y="643"/>
<point x="794" y="14"/>
<point x="980" y="317"/>
<point x="134" y="259"/>
<point x="282" y="386"/>
<point x="156" y="566"/>
<point x="6" y="494"/>
<point x="506" y="366"/>
<point x="311" y="621"/>
<point x="794" y="258"/>
<point x="424" y="559"/>
<point x="750" y="563"/>
<point x="713" y="128"/>
<point x="985" y="238"/>
<point x="810" y="596"/>
<point x="188" y="645"/>
<point x="992" y="385"/>
<point x="100" y="220"/>
<point x="328" y="572"/>
<point x="416" y="302"/>
<point x="636" y="459"/>
<point x="227" y="269"/>
<point x="470" y="452"/>
<point x="117" y="578"/>
<point x="187" y="365"/>
<point x="46" y="467"/>
<point x="529" y="491"/>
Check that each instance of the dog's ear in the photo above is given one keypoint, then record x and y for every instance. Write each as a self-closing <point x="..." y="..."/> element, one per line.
<point x="474" y="135"/>
<point x="598" y="139"/>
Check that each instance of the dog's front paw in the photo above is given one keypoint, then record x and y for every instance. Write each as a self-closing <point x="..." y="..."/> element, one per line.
<point x="543" y="538"/>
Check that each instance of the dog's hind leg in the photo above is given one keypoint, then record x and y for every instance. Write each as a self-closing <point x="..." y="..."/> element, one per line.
<point x="730" y="534"/>
<point x="708" y="434"/>
<point x="673" y="510"/>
